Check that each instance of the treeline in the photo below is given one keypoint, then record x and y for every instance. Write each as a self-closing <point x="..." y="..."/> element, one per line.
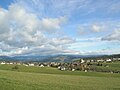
<point x="103" y="57"/>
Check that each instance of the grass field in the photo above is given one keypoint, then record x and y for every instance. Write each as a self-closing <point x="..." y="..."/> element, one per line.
<point x="107" y="67"/>
<point x="36" y="78"/>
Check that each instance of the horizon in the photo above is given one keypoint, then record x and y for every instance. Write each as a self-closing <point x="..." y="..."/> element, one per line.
<point x="69" y="27"/>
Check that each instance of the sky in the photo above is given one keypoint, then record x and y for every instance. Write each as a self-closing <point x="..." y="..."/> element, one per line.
<point x="50" y="27"/>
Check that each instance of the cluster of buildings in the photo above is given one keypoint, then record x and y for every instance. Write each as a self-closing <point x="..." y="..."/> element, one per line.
<point x="82" y="64"/>
<point x="102" y="60"/>
<point x="43" y="64"/>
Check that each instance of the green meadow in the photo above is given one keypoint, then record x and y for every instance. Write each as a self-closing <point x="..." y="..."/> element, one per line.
<point x="47" y="78"/>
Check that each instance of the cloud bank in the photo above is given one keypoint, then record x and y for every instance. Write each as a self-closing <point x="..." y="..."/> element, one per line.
<point x="114" y="36"/>
<point x="22" y="32"/>
<point x="42" y="27"/>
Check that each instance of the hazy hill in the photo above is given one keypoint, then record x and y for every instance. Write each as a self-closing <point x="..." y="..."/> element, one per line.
<point x="54" y="58"/>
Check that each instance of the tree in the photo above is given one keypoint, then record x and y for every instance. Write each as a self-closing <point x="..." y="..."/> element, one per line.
<point x="15" y="67"/>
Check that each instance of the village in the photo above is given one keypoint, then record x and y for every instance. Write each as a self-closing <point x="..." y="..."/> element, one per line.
<point x="88" y="65"/>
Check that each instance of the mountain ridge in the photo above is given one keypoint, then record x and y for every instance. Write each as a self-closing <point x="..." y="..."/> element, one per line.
<point x="52" y="58"/>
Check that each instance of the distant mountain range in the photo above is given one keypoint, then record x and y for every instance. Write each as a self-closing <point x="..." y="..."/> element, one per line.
<point x="52" y="58"/>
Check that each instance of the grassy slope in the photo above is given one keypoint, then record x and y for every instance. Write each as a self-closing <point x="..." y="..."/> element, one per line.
<point x="52" y="79"/>
<point x="49" y="70"/>
<point x="114" y="66"/>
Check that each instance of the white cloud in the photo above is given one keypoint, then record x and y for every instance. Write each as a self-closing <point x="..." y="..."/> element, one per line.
<point x="96" y="28"/>
<point x="52" y="24"/>
<point x="102" y="52"/>
<point x="62" y="41"/>
<point x="91" y="28"/>
<point x="115" y="35"/>
<point x="23" y="32"/>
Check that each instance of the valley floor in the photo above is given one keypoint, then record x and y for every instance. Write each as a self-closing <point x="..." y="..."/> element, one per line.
<point x="60" y="80"/>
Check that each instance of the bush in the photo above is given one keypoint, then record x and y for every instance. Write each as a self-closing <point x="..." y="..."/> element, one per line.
<point x="15" y="67"/>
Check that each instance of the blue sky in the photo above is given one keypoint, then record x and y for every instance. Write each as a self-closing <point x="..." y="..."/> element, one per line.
<point x="42" y="27"/>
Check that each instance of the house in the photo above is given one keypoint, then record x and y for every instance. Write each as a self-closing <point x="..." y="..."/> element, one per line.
<point x="7" y="63"/>
<point x="11" y="63"/>
<point x="59" y="67"/>
<point x="18" y="63"/>
<point x="31" y="64"/>
<point x="108" y="60"/>
<point x="114" y="59"/>
<point x="2" y="62"/>
<point x="82" y="61"/>
<point x="48" y="65"/>
<point x="41" y="65"/>
<point x="88" y="61"/>
<point x="85" y="70"/>
<point x="92" y="61"/>
<point x="73" y="69"/>
<point x="100" y="60"/>
<point x="118" y="58"/>
<point x="62" y="68"/>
